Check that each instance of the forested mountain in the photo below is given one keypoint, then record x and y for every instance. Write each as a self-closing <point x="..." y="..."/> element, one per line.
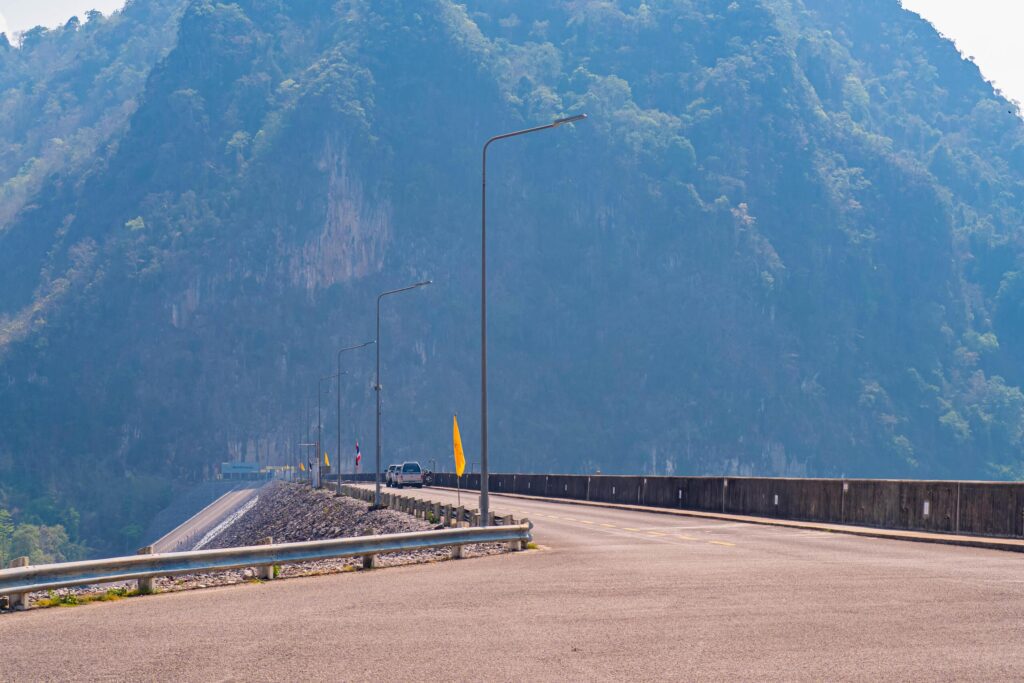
<point x="787" y="242"/>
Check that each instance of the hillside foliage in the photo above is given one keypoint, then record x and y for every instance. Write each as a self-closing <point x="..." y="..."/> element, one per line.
<point x="787" y="242"/>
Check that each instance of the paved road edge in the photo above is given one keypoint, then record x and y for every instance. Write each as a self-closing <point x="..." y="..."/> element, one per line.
<point x="1006" y="544"/>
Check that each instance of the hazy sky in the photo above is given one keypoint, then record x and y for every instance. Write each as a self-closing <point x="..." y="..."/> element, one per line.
<point x="987" y="29"/>
<point x="18" y="15"/>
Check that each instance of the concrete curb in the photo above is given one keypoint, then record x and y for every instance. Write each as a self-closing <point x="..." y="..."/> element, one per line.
<point x="1006" y="544"/>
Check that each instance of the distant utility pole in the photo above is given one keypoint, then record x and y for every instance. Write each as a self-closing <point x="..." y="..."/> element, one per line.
<point x="341" y="351"/>
<point x="319" y="423"/>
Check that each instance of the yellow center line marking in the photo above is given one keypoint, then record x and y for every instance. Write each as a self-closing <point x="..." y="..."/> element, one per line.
<point x="655" y="533"/>
<point x="686" y="538"/>
<point x="725" y="543"/>
<point x="630" y="529"/>
<point x="583" y="521"/>
<point x="610" y="526"/>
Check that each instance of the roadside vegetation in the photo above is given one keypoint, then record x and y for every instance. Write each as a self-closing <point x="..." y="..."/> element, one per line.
<point x="68" y="599"/>
<point x="41" y="543"/>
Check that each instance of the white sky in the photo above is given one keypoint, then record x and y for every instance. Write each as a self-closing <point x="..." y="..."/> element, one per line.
<point x="19" y="15"/>
<point x="987" y="29"/>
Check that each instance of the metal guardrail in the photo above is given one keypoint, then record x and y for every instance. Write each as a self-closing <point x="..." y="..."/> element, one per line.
<point x="19" y="581"/>
<point x="445" y="512"/>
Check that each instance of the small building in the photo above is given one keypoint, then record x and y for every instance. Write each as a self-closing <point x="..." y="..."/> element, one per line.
<point x="240" y="470"/>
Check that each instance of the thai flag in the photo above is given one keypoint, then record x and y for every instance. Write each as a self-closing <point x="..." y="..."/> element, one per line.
<point x="359" y="456"/>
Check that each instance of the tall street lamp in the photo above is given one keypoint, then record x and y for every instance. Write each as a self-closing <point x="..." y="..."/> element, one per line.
<point x="340" y="373"/>
<point x="376" y="384"/>
<point x="319" y="423"/>
<point x="484" y="499"/>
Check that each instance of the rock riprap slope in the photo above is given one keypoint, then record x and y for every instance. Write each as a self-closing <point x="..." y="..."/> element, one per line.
<point x="294" y="512"/>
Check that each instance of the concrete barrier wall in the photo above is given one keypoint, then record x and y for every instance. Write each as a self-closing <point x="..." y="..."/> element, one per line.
<point x="982" y="508"/>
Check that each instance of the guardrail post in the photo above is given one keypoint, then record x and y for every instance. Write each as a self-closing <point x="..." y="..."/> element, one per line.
<point x="492" y="519"/>
<point x="448" y="514"/>
<point x="148" y="585"/>
<point x="475" y="519"/>
<point x="369" y="561"/>
<point x="508" y="521"/>
<point x="524" y="544"/>
<point x="437" y="513"/>
<point x="265" y="572"/>
<point x="456" y="552"/>
<point x="18" y="601"/>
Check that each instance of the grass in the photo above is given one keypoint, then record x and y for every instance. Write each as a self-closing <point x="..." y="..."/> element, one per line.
<point x="72" y="600"/>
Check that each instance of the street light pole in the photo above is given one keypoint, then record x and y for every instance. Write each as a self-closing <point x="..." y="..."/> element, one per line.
<point x="341" y="351"/>
<point x="306" y="402"/>
<point x="484" y="497"/>
<point x="319" y="425"/>
<point x="376" y="384"/>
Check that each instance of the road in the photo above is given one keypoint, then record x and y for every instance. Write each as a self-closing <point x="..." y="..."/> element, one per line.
<point x="610" y="595"/>
<point x="191" y="531"/>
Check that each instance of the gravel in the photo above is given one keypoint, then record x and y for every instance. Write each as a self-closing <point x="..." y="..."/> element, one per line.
<point x="294" y="512"/>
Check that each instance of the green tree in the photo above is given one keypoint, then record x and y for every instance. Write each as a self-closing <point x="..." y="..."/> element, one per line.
<point x="6" y="532"/>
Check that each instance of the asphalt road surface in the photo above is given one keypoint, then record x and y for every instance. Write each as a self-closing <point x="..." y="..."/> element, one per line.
<point x="611" y="595"/>
<point x="191" y="531"/>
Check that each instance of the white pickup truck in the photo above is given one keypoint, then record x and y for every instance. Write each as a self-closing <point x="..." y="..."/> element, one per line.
<point x="408" y="474"/>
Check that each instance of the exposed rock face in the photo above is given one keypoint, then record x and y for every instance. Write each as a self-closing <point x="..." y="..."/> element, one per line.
<point x="356" y="230"/>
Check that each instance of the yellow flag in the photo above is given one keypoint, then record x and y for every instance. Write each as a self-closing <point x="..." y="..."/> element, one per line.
<point x="327" y="461"/>
<point x="302" y="468"/>
<point x="460" y="458"/>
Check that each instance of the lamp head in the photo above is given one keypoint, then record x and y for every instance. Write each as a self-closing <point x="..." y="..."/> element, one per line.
<point x="568" y="119"/>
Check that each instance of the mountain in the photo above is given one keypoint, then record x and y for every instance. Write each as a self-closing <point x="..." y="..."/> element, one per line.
<point x="786" y="242"/>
